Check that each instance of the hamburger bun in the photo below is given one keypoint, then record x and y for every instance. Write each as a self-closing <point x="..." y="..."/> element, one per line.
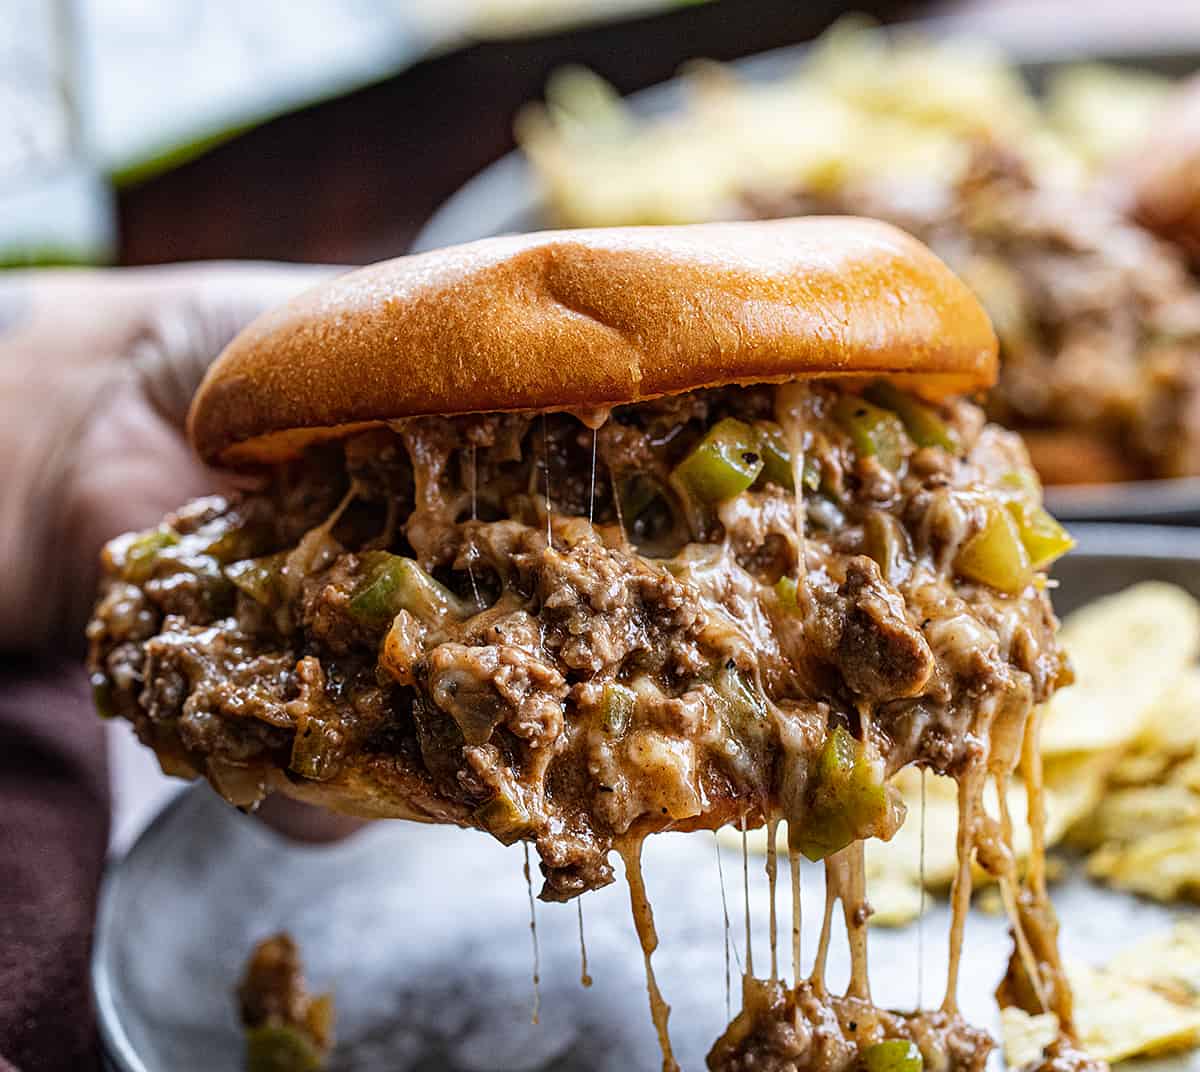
<point x="578" y="320"/>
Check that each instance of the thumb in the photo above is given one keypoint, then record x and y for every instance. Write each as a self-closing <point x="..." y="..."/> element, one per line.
<point x="193" y="311"/>
<point x="102" y="366"/>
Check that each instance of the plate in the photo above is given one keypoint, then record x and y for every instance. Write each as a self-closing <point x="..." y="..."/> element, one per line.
<point x="423" y="932"/>
<point x="504" y="197"/>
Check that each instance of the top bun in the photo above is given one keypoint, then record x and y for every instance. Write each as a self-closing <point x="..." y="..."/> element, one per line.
<point x="576" y="320"/>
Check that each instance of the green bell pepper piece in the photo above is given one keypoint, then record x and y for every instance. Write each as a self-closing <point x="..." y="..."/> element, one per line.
<point x="1044" y="538"/>
<point x="996" y="555"/>
<point x="895" y="1055"/>
<point x="281" y="1048"/>
<point x="785" y="592"/>
<point x="143" y="552"/>
<point x="505" y="819"/>
<point x="394" y="583"/>
<point x="616" y="708"/>
<point x="723" y="464"/>
<point x="777" y="459"/>
<point x="875" y="432"/>
<point x="848" y="799"/>
<point x="922" y="422"/>
<point x="260" y="578"/>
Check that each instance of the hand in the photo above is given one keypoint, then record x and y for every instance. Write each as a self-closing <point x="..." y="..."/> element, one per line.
<point x="97" y="368"/>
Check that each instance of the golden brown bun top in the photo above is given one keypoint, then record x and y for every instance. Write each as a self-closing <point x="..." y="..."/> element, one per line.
<point x="582" y="319"/>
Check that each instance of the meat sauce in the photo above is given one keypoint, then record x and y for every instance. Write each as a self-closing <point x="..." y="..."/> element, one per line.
<point x="573" y="631"/>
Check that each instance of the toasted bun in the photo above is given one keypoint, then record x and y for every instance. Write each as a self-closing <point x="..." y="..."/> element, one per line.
<point x="584" y="319"/>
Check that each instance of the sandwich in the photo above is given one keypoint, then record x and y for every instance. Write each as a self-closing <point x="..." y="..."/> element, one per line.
<point x="580" y="536"/>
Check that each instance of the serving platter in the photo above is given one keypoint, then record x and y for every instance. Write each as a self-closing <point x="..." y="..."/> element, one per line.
<point x="423" y="932"/>
<point x="505" y="198"/>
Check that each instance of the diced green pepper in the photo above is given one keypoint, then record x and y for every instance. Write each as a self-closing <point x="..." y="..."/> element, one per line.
<point x="724" y="463"/>
<point x="616" y="708"/>
<point x="1044" y="538"/>
<point x="228" y="544"/>
<point x="785" y="592"/>
<point x="143" y="551"/>
<point x="394" y="583"/>
<point x="281" y="1048"/>
<point x="777" y="459"/>
<point x="895" y="1055"/>
<point x="743" y="703"/>
<point x="875" y="432"/>
<point x="260" y="578"/>
<point x="996" y="555"/>
<point x="848" y="799"/>
<point x="102" y="696"/>
<point x="922" y="422"/>
<point x="505" y="819"/>
<point x="318" y="750"/>
<point x="885" y="542"/>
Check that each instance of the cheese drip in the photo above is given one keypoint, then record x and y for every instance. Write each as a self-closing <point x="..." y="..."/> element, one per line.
<point x="790" y="399"/>
<point x="643" y="920"/>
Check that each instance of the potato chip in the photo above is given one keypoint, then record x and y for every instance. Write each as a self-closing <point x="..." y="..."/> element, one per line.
<point x="1026" y="1036"/>
<point x="1103" y="111"/>
<point x="1173" y="724"/>
<point x="1118" y="1017"/>
<point x="1133" y="814"/>
<point x="1140" y="768"/>
<point x="1142" y="1004"/>
<point x="1128" y="650"/>
<point x="1170" y="962"/>
<point x="1187" y="775"/>
<point x="1163" y="865"/>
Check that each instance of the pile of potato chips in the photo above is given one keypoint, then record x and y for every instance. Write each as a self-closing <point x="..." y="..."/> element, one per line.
<point x="1145" y="1003"/>
<point x="864" y="107"/>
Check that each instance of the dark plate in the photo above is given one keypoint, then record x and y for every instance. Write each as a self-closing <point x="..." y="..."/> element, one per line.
<point x="504" y="198"/>
<point x="423" y="932"/>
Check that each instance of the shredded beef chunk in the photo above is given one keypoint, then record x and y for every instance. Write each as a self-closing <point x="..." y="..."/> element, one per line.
<point x="451" y="619"/>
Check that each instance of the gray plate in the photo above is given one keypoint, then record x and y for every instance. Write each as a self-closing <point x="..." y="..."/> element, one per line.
<point x="504" y="198"/>
<point x="423" y="932"/>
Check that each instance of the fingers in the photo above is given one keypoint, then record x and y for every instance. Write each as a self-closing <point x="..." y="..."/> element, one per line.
<point x="96" y="371"/>
<point x="305" y="822"/>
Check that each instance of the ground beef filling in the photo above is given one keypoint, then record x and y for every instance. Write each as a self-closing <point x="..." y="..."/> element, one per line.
<point x="577" y="632"/>
<point x="785" y="1030"/>
<point x="404" y="601"/>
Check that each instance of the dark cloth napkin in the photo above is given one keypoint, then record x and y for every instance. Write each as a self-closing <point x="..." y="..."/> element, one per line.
<point x="54" y="818"/>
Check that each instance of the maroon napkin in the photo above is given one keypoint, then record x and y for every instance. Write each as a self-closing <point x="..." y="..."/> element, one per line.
<point x="54" y="814"/>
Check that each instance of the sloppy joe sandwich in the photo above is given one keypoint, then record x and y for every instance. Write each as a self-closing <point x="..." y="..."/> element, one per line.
<point x="580" y="536"/>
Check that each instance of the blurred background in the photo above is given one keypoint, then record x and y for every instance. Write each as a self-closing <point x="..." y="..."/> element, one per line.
<point x="144" y="131"/>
